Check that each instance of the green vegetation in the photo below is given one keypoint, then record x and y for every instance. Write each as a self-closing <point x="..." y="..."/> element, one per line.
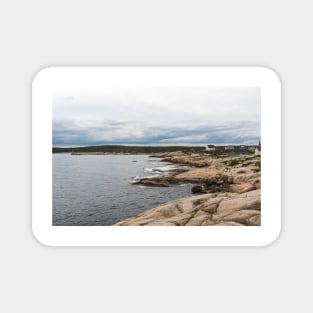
<point x="128" y="149"/>
<point x="217" y="153"/>
<point x="246" y="164"/>
<point x="253" y="157"/>
<point x="258" y="164"/>
<point x="233" y="162"/>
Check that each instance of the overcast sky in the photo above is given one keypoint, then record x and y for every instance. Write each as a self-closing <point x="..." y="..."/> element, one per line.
<point x="156" y="116"/>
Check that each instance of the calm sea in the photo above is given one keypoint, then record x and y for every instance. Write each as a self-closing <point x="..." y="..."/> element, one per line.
<point x="98" y="189"/>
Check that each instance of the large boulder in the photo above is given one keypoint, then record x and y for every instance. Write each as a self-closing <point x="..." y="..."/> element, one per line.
<point x="197" y="189"/>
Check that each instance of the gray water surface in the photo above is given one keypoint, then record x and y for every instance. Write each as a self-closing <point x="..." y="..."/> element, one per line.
<point x="98" y="189"/>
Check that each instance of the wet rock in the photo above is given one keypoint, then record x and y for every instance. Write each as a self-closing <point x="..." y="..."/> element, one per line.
<point x="210" y="181"/>
<point x="197" y="189"/>
<point x="153" y="182"/>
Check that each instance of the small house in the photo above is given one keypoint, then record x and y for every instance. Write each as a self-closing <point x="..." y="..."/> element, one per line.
<point x="210" y="148"/>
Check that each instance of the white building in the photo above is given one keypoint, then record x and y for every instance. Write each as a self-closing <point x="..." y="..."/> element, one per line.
<point x="210" y="148"/>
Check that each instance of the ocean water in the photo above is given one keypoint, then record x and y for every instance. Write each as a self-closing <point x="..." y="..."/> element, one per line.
<point x="99" y="189"/>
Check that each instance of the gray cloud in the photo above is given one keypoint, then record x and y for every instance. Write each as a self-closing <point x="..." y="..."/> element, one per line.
<point x="165" y="116"/>
<point x="73" y="132"/>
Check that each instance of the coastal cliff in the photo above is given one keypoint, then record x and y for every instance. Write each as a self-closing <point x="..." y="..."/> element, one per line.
<point x="229" y="188"/>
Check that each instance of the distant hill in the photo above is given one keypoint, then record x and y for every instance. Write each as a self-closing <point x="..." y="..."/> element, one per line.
<point x="127" y="149"/>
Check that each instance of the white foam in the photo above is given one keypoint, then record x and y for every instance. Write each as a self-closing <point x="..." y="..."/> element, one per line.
<point x="166" y="168"/>
<point x="135" y="179"/>
<point x="147" y="169"/>
<point x="151" y="176"/>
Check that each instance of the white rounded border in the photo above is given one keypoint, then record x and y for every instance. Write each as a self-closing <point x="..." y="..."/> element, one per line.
<point x="42" y="89"/>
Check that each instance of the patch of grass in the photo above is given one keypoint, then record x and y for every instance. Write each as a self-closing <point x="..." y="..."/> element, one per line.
<point x="216" y="153"/>
<point x="253" y="157"/>
<point x="246" y="164"/>
<point x="258" y="165"/>
<point x="233" y="162"/>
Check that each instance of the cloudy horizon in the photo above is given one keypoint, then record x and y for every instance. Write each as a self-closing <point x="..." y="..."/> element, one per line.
<point x="156" y="116"/>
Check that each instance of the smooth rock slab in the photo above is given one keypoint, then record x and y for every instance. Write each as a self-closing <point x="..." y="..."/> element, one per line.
<point x="225" y="209"/>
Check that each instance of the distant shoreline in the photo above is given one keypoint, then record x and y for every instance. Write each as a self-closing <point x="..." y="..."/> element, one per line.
<point x="120" y="149"/>
<point x="103" y="153"/>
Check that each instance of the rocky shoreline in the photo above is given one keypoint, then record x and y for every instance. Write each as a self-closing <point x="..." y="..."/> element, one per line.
<point x="229" y="188"/>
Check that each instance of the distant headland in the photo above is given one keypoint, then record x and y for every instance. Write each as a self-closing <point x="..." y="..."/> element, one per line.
<point x="147" y="149"/>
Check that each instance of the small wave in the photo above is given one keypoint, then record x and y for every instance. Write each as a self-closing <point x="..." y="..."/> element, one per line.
<point x="151" y="176"/>
<point x="147" y="169"/>
<point x="135" y="179"/>
<point x="166" y="168"/>
<point x="151" y="170"/>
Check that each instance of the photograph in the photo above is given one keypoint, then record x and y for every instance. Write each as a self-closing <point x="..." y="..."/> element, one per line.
<point x="156" y="156"/>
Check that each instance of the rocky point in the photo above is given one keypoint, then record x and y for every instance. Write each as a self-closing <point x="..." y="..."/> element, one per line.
<point x="229" y="189"/>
